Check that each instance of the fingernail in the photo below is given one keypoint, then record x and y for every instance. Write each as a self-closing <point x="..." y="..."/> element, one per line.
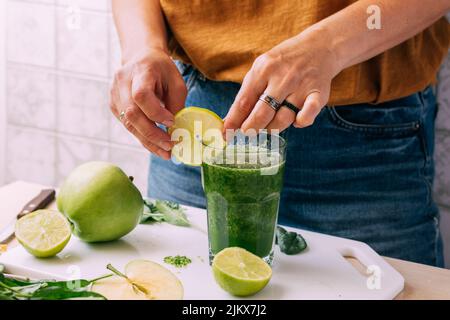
<point x="166" y="145"/>
<point x="168" y="123"/>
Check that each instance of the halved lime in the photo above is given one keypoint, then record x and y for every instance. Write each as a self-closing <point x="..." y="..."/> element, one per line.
<point x="43" y="233"/>
<point x="193" y="128"/>
<point x="240" y="272"/>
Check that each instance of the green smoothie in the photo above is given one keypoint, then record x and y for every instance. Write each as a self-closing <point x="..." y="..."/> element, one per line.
<point x="242" y="204"/>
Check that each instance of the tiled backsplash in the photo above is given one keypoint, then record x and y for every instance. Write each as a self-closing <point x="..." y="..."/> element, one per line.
<point x="61" y="55"/>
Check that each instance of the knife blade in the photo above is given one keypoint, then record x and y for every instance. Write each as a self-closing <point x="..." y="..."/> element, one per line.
<point x="42" y="200"/>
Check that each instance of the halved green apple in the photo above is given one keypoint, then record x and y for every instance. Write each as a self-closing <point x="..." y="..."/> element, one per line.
<point x="143" y="280"/>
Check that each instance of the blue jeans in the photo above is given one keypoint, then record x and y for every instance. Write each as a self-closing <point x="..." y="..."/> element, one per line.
<point x="363" y="172"/>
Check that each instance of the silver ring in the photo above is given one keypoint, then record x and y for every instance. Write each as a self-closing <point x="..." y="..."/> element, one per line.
<point x="270" y="101"/>
<point x="290" y="106"/>
<point x="121" y="116"/>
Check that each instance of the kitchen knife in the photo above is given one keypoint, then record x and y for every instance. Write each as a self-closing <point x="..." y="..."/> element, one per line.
<point x="44" y="198"/>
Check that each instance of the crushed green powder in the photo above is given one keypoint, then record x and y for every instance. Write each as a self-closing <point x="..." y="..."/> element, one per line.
<point x="177" y="261"/>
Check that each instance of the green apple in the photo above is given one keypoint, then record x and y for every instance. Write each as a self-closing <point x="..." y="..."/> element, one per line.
<point x="101" y="202"/>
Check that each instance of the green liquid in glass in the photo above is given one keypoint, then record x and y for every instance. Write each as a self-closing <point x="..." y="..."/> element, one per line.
<point x="242" y="205"/>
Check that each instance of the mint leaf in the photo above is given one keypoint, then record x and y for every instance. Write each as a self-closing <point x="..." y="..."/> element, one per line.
<point x="173" y="213"/>
<point x="164" y="211"/>
<point x="151" y="213"/>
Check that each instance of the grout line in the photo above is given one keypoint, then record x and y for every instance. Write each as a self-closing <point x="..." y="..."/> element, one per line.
<point x="63" y="6"/>
<point x="446" y="207"/>
<point x="94" y="141"/>
<point x="57" y="72"/>
<point x="446" y="132"/>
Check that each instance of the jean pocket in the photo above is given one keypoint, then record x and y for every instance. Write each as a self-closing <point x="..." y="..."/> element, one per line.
<point x="389" y="120"/>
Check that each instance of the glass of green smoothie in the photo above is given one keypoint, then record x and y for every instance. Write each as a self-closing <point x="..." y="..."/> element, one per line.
<point x="242" y="182"/>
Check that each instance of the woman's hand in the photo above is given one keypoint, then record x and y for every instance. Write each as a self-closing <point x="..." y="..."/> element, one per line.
<point x="300" y="71"/>
<point x="148" y="89"/>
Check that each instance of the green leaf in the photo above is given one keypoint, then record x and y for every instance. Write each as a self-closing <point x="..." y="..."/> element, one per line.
<point x="150" y="213"/>
<point x="164" y="211"/>
<point x="290" y="243"/>
<point x="15" y="289"/>
<point x="173" y="213"/>
<point x="60" y="292"/>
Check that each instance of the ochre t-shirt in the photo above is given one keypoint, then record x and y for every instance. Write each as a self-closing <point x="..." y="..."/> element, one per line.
<point x="222" y="38"/>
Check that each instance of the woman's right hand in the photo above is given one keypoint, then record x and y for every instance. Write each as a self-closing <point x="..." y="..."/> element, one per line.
<point x="148" y="89"/>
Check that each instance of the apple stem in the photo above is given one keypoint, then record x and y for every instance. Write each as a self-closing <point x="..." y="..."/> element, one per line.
<point x="120" y="274"/>
<point x="131" y="178"/>
<point x="101" y="278"/>
<point x="115" y="271"/>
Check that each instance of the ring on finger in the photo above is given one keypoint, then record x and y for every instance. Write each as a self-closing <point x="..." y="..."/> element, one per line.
<point x="121" y="116"/>
<point x="270" y="101"/>
<point x="290" y="106"/>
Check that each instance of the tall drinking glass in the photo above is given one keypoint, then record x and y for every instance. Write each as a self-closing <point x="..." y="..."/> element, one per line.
<point x="242" y="183"/>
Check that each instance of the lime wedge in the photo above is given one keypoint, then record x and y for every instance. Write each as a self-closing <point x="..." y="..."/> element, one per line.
<point x="43" y="233"/>
<point x="193" y="128"/>
<point x="240" y="272"/>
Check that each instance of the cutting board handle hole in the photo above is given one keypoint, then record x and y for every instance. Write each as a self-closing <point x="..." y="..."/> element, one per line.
<point x="358" y="265"/>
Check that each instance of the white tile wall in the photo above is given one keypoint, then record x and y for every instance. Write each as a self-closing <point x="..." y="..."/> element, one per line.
<point x="83" y="46"/>
<point x="31" y="97"/>
<point x="72" y="152"/>
<point x="101" y="5"/>
<point x="31" y="33"/>
<point x="83" y="107"/>
<point x="114" y="45"/>
<point x="442" y="180"/>
<point x="442" y="155"/>
<point x="31" y="155"/>
<point x="443" y="119"/>
<point x="134" y="163"/>
<point x="61" y="55"/>
<point x="3" y="111"/>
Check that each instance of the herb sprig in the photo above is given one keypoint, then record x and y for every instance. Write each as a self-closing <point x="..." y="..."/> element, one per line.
<point x="12" y="288"/>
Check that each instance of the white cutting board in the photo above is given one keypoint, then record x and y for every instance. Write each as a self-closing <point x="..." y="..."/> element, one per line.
<point x="321" y="272"/>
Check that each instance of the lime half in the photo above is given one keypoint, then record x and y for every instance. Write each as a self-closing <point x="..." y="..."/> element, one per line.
<point x="43" y="233"/>
<point x="193" y="128"/>
<point x="240" y="272"/>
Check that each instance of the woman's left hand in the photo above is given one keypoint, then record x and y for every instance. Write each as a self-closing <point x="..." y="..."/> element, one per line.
<point x="300" y="71"/>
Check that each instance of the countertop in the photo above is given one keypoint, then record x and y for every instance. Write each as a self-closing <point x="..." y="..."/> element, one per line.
<point x="421" y="281"/>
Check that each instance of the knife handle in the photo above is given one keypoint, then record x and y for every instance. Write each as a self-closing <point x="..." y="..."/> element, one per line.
<point x="40" y="202"/>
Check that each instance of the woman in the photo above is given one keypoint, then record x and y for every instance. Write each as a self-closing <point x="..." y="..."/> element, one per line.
<point x="360" y="112"/>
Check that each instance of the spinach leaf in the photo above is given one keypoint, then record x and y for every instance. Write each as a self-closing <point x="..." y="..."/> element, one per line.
<point x="164" y="211"/>
<point x="290" y="243"/>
